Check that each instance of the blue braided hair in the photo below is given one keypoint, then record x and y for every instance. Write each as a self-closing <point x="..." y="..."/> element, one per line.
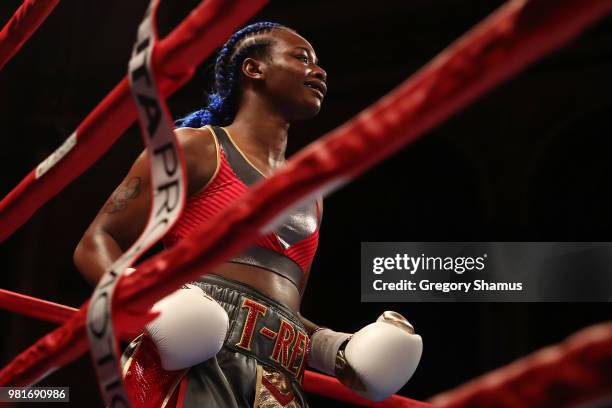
<point x="223" y="101"/>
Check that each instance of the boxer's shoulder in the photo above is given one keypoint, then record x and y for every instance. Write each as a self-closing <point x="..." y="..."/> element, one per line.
<point x="200" y="151"/>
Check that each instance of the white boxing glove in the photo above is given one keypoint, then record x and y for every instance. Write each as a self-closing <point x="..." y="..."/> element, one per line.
<point x="190" y="329"/>
<point x="377" y="360"/>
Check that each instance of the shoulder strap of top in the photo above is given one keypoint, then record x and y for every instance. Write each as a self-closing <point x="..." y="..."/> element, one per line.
<point x="243" y="169"/>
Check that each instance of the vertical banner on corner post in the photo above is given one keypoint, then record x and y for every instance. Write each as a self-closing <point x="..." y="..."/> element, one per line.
<point x="168" y="191"/>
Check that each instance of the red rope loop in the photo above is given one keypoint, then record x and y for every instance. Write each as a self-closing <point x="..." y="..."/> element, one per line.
<point x="176" y="57"/>
<point x="26" y="20"/>
<point x="516" y="35"/>
<point x="576" y="371"/>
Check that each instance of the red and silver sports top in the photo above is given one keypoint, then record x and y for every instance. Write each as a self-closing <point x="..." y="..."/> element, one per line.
<point x="288" y="251"/>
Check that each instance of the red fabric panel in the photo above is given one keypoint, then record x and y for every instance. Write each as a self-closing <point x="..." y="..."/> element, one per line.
<point x="224" y="189"/>
<point x="146" y="382"/>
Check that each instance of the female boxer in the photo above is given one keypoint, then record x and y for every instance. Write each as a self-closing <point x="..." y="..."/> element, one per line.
<point x="235" y="337"/>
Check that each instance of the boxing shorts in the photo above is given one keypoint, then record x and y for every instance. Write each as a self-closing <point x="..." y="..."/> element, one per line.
<point x="260" y="365"/>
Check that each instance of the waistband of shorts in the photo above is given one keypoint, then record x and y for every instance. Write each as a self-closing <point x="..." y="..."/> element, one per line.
<point x="232" y="285"/>
<point x="259" y="326"/>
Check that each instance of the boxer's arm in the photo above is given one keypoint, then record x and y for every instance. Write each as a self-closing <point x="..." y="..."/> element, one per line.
<point x="117" y="224"/>
<point x="310" y="326"/>
<point x="123" y="217"/>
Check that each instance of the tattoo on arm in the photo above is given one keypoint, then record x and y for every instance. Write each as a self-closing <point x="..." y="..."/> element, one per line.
<point x="119" y="200"/>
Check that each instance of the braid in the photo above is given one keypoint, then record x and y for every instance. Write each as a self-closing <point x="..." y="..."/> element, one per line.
<point x="222" y="103"/>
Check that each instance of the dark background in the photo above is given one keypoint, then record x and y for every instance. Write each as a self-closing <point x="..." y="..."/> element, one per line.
<point x="528" y="162"/>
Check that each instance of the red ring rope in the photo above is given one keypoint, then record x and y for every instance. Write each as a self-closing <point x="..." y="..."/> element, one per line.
<point x="176" y="57"/>
<point x="576" y="371"/>
<point x="507" y="41"/>
<point x="26" y="20"/>
<point x="37" y="308"/>
<point x="332" y="388"/>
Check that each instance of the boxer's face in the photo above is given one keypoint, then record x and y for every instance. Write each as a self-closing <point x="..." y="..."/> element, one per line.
<point x="291" y="77"/>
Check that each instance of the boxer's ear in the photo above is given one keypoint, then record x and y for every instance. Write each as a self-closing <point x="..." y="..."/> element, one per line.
<point x="253" y="69"/>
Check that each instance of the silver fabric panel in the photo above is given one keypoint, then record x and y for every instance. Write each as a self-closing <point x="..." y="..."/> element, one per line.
<point x="298" y="226"/>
